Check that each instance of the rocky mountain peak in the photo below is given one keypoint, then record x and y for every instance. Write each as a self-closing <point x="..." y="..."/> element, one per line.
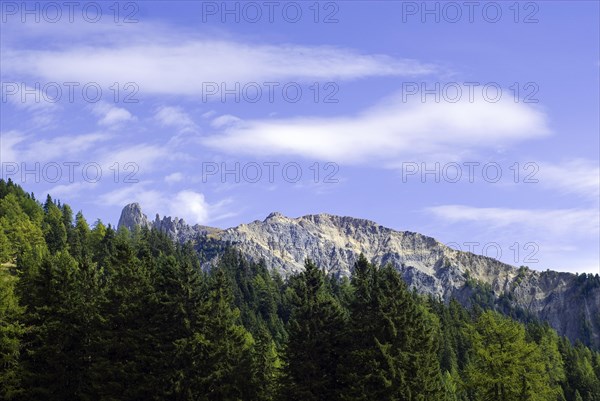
<point x="335" y="242"/>
<point x="132" y="216"/>
<point x="275" y="216"/>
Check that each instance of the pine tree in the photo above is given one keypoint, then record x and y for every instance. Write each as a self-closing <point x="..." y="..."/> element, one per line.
<point x="55" y="231"/>
<point x="79" y="239"/>
<point x="314" y="346"/>
<point x="127" y="339"/>
<point x="97" y="236"/>
<point x="553" y="362"/>
<point x="179" y="288"/>
<point x="58" y="348"/>
<point x="392" y="340"/>
<point x="223" y="349"/>
<point x="365" y="364"/>
<point x="266" y="366"/>
<point x="580" y="372"/>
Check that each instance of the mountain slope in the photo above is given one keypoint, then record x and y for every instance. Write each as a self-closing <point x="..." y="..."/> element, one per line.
<point x="569" y="303"/>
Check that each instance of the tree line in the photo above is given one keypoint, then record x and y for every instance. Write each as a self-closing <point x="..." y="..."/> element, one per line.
<point x="94" y="313"/>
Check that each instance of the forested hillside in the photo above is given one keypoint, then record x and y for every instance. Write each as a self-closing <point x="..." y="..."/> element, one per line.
<point x="93" y="313"/>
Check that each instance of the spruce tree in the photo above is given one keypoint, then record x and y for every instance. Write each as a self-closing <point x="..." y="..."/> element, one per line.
<point x="222" y="349"/>
<point x="392" y="340"/>
<point x="314" y="349"/>
<point x="55" y="231"/>
<point x="127" y="339"/>
<point x="179" y="288"/>
<point x="56" y="364"/>
<point x="364" y="363"/>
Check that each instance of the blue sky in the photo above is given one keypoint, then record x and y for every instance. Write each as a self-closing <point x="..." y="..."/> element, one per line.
<point x="473" y="123"/>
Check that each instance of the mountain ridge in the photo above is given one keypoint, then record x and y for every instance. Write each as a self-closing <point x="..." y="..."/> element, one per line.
<point x="562" y="299"/>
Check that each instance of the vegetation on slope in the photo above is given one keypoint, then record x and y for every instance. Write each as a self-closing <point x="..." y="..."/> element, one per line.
<point x="90" y="313"/>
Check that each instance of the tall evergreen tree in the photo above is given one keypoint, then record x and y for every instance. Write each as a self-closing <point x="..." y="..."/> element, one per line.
<point x="127" y="338"/>
<point x="55" y="231"/>
<point x="392" y="340"/>
<point x="179" y="287"/>
<point x="223" y="349"/>
<point x="315" y="334"/>
<point x="57" y="340"/>
<point x="267" y="366"/>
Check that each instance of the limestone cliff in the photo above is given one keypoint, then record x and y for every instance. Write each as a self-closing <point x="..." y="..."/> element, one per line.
<point x="570" y="303"/>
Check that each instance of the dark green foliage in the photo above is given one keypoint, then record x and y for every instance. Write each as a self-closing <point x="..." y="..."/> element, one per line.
<point x="314" y="347"/>
<point x="224" y="348"/>
<point x="256" y="293"/>
<point x="392" y="350"/>
<point x="581" y="377"/>
<point x="55" y="232"/>
<point x="98" y="314"/>
<point x="126" y="337"/>
<point x="60" y="321"/>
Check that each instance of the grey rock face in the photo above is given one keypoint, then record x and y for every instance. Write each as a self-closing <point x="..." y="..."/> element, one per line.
<point x="132" y="217"/>
<point x="335" y="242"/>
<point x="176" y="228"/>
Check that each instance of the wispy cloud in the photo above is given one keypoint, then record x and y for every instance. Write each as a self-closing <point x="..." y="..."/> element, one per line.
<point x="192" y="61"/>
<point x="558" y="239"/>
<point x="169" y="116"/>
<point x="578" y="176"/>
<point x="143" y="157"/>
<point x="110" y="115"/>
<point x="174" y="177"/>
<point x="71" y="191"/>
<point x="559" y="222"/>
<point x="392" y="129"/>
<point x="18" y="147"/>
<point x="41" y="106"/>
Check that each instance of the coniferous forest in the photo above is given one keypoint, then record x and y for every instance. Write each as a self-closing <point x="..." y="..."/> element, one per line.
<point x="88" y="312"/>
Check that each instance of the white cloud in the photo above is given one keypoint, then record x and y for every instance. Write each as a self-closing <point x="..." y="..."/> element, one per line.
<point x="175" y="117"/>
<point x="41" y="105"/>
<point x="150" y="199"/>
<point x="556" y="239"/>
<point x="8" y="143"/>
<point x="71" y="191"/>
<point x="111" y="115"/>
<point x="192" y="205"/>
<point x="18" y="147"/>
<point x="208" y="114"/>
<point x="392" y="129"/>
<point x="25" y="97"/>
<point x="578" y="176"/>
<point x="187" y="204"/>
<point x="175" y="177"/>
<point x="141" y="158"/>
<point x="224" y="121"/>
<point x="164" y="61"/>
<point x="544" y="222"/>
